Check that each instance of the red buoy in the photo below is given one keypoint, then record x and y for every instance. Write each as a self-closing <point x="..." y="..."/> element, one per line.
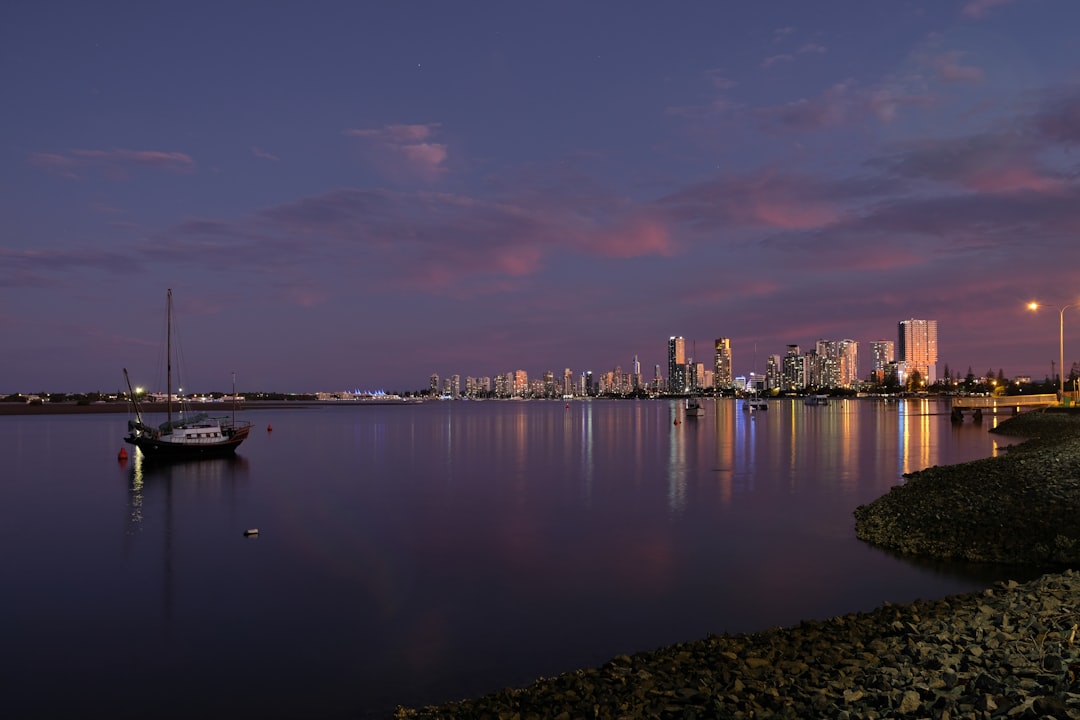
<point x="269" y="428"/>
<point x="122" y="455"/>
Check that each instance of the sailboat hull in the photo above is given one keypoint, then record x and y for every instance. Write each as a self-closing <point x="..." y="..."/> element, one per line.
<point x="187" y="445"/>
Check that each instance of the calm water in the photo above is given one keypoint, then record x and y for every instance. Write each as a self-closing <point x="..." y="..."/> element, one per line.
<point x="418" y="554"/>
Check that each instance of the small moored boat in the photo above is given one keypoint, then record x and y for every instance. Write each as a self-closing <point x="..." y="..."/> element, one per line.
<point x="183" y="437"/>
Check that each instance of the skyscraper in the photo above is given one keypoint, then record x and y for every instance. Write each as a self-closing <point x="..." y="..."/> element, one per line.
<point x="676" y="362"/>
<point x="793" y="370"/>
<point x="917" y="348"/>
<point x="722" y="380"/>
<point x="882" y="353"/>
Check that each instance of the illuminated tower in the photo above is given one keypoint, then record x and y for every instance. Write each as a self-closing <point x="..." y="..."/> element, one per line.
<point x="917" y="348"/>
<point x="793" y="370"/>
<point x="882" y="353"/>
<point x="722" y="379"/>
<point x="676" y="363"/>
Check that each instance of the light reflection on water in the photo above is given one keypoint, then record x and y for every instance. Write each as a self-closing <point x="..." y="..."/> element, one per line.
<point x="423" y="553"/>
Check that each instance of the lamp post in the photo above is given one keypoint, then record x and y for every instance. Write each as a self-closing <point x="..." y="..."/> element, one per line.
<point x="1061" y="346"/>
<point x="1061" y="349"/>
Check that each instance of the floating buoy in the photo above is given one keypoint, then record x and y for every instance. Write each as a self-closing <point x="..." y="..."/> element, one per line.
<point x="122" y="455"/>
<point x="269" y="428"/>
<point x="676" y="421"/>
<point x="567" y="406"/>
<point x="251" y="533"/>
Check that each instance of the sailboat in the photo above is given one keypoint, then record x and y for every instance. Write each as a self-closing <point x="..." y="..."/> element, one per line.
<point x="183" y="437"/>
<point x="755" y="402"/>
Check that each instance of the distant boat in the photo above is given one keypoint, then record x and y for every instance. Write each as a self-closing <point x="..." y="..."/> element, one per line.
<point x="694" y="408"/>
<point x="753" y="404"/>
<point x="182" y="438"/>
<point x="816" y="400"/>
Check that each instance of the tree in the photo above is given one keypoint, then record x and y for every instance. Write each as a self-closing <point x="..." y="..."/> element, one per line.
<point x="914" y="381"/>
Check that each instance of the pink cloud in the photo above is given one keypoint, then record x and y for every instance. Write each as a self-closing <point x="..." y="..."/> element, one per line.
<point x="770" y="200"/>
<point x="951" y="70"/>
<point x="634" y="238"/>
<point x="116" y="163"/>
<point x="786" y="213"/>
<point x="403" y="151"/>
<point x="1012" y="179"/>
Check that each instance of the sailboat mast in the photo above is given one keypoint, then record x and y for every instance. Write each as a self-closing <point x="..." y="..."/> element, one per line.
<point x="168" y="357"/>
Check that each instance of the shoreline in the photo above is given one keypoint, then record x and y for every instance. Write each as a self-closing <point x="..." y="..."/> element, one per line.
<point x="1012" y="650"/>
<point x="9" y="409"/>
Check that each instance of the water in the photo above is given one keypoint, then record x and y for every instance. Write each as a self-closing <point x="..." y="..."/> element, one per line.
<point x="419" y="554"/>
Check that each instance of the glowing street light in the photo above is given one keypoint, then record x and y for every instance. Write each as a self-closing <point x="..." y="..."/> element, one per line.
<point x="1061" y="345"/>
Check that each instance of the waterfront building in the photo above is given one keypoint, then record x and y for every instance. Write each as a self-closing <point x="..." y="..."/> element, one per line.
<point x="917" y="348"/>
<point x="433" y="385"/>
<point x="722" y="377"/>
<point x="882" y="352"/>
<point x="677" y="379"/>
<point x="549" y="384"/>
<point x="521" y="383"/>
<point x="772" y="372"/>
<point x="567" y="382"/>
<point x="793" y="370"/>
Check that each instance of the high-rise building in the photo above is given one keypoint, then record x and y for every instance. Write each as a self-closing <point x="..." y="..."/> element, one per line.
<point x="722" y="377"/>
<point x="772" y="372"/>
<point x="835" y="364"/>
<point x="793" y="370"/>
<point x="847" y="352"/>
<point x="677" y="380"/>
<point x="521" y="383"/>
<point x="882" y="352"/>
<point x="917" y="348"/>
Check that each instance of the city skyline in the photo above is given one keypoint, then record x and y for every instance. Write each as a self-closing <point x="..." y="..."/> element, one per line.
<point x="355" y="195"/>
<point x="914" y="350"/>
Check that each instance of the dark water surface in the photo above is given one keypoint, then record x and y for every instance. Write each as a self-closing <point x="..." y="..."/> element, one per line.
<point x="419" y="554"/>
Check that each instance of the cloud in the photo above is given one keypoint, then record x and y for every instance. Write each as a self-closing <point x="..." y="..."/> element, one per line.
<point x="117" y="163"/>
<point x="989" y="163"/>
<point x="43" y="267"/>
<point x="978" y="8"/>
<point x="951" y="70"/>
<point x="767" y="200"/>
<point x="1058" y="120"/>
<point x="776" y="59"/>
<point x="405" y="151"/>
<point x="438" y="243"/>
<point x="780" y="34"/>
<point x="263" y="154"/>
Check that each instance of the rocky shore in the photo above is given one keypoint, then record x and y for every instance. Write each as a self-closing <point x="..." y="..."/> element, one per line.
<point x="1010" y="651"/>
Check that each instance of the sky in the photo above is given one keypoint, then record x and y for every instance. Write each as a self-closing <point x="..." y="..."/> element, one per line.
<point x="357" y="195"/>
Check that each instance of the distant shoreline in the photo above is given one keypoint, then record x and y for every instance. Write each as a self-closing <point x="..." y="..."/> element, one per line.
<point x="71" y="408"/>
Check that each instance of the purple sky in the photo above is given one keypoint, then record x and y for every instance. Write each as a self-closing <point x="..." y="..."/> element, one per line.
<point x="357" y="195"/>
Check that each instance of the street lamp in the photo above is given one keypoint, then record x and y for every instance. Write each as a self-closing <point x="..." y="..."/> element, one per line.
<point x="1061" y="346"/>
